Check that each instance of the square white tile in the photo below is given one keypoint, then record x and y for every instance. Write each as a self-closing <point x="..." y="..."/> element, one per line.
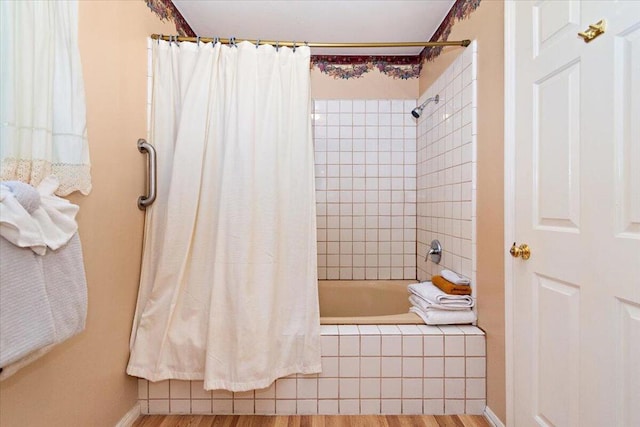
<point x="328" y="388"/>
<point x="433" y="345"/>
<point x="286" y="388"/>
<point x="454" y="345"/>
<point x="159" y="406"/>
<point x="370" y="345"/>
<point x="349" y="406"/>
<point x="307" y="407"/>
<point x="454" y="388"/>
<point x="307" y="388"/>
<point x="222" y="406"/>
<point x="433" y="367"/>
<point x="369" y="388"/>
<point x="412" y="367"/>
<point x="370" y="406"/>
<point x="475" y="345"/>
<point x="476" y="388"/>
<point x="476" y="367"/>
<point x="391" y="367"/>
<point x="349" y="388"/>
<point x="329" y="367"/>
<point x="328" y="407"/>
<point x="198" y="391"/>
<point x="412" y="345"/>
<point x="243" y="406"/>
<point x="475" y="407"/>
<point x="433" y="406"/>
<point x="433" y="388"/>
<point x="391" y="345"/>
<point x="454" y="367"/>
<point x="285" y="407"/>
<point x="412" y="406"/>
<point x="265" y="406"/>
<point x="180" y="406"/>
<point x="329" y="345"/>
<point x="349" y="345"/>
<point x="370" y="367"/>
<point x="266" y="393"/>
<point x="158" y="390"/>
<point x="412" y="388"/>
<point x="391" y="406"/>
<point x="453" y="406"/>
<point x="391" y="388"/>
<point x="349" y="367"/>
<point x="201" y="406"/>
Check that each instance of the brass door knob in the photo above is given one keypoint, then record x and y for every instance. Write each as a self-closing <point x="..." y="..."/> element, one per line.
<point x="520" y="251"/>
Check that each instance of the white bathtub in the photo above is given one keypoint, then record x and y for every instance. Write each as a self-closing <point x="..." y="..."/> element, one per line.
<point x="365" y="302"/>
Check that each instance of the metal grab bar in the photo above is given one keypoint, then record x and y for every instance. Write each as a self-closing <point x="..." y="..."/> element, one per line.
<point x="145" y="201"/>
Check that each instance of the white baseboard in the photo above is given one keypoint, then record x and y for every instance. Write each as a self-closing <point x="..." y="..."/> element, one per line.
<point x="492" y="417"/>
<point x="130" y="417"/>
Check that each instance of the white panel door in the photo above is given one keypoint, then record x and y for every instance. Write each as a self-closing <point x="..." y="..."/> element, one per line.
<point x="576" y="301"/>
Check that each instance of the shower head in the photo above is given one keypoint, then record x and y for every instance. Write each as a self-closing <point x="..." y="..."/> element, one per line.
<point x="418" y="110"/>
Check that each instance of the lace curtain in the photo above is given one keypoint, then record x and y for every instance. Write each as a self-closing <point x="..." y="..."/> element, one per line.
<point x="43" y="112"/>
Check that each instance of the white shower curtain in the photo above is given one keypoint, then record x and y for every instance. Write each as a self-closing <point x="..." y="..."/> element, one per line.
<point x="228" y="289"/>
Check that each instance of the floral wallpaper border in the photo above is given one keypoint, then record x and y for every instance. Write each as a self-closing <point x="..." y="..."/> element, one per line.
<point x="166" y="10"/>
<point x="347" y="67"/>
<point x="460" y="10"/>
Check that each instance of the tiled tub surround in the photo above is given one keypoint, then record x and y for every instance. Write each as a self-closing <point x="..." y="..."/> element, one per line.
<point x="366" y="369"/>
<point x="446" y="170"/>
<point x="365" y="154"/>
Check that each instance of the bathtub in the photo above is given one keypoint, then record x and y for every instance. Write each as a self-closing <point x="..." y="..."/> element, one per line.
<point x="365" y="302"/>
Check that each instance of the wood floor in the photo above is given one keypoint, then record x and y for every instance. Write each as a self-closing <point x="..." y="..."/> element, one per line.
<point x="312" y="421"/>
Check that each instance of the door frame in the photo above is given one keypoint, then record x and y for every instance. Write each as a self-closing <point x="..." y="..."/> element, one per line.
<point x="509" y="197"/>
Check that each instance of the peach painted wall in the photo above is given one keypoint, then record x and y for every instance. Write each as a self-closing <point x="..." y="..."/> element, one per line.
<point x="82" y="382"/>
<point x="486" y="26"/>
<point x="372" y="85"/>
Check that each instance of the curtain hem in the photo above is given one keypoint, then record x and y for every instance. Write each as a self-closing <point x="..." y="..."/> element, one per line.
<point x="221" y="384"/>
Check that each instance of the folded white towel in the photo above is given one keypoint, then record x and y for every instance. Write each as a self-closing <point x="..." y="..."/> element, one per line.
<point x="455" y="278"/>
<point x="445" y="317"/>
<point x="25" y="194"/>
<point x="431" y="294"/>
<point x="422" y="304"/>
<point x="51" y="225"/>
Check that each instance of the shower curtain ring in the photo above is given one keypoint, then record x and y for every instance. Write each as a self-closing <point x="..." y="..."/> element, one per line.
<point x="277" y="45"/>
<point x="294" y="45"/>
<point x="257" y="43"/>
<point x="198" y="40"/>
<point x="232" y="41"/>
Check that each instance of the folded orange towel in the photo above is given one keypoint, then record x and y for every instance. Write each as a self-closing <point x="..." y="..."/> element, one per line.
<point x="447" y="287"/>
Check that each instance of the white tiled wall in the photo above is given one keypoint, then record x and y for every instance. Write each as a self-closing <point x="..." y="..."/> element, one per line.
<point x="446" y="170"/>
<point x="366" y="188"/>
<point x="366" y="369"/>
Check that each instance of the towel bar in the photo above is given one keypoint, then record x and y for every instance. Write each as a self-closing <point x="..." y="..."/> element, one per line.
<point x="145" y="201"/>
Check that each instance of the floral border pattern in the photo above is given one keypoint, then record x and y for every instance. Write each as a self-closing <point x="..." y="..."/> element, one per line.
<point x="347" y="67"/>
<point x="166" y="10"/>
<point x="460" y="10"/>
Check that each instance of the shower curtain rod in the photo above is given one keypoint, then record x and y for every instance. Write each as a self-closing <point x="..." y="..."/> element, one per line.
<point x="313" y="44"/>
